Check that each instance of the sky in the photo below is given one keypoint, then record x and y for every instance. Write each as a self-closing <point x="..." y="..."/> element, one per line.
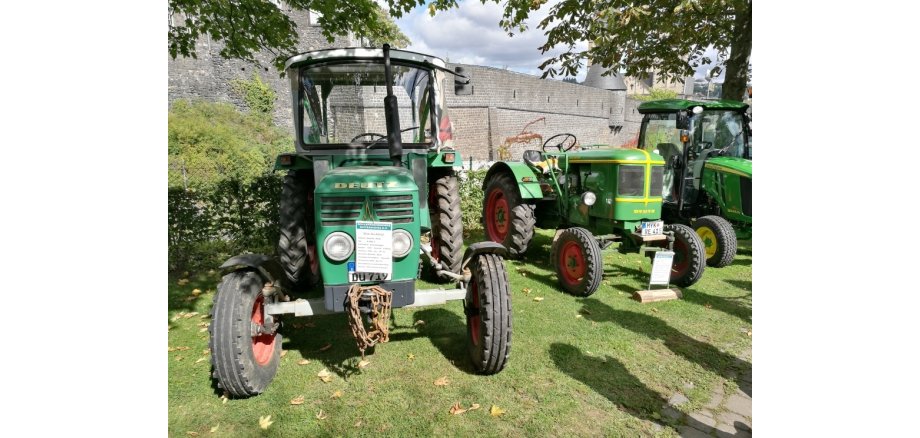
<point x="470" y="34"/>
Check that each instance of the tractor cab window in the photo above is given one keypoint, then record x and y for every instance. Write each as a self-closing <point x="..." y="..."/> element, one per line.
<point x="720" y="131"/>
<point x="663" y="138"/>
<point x="343" y="103"/>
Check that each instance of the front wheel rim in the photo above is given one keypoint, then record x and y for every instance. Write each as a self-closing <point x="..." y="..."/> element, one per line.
<point x="263" y="346"/>
<point x="497" y="216"/>
<point x="710" y="242"/>
<point x="572" y="262"/>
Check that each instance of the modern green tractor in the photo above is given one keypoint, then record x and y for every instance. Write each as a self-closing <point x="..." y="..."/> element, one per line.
<point x="707" y="176"/>
<point x="364" y="202"/>
<point x="593" y="198"/>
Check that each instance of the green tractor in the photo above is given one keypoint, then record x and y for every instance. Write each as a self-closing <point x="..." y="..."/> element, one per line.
<point x="707" y="176"/>
<point x="593" y="198"/>
<point x="365" y="202"/>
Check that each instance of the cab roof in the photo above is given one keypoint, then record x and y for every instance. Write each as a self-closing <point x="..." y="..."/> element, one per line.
<point x="673" y="105"/>
<point x="361" y="53"/>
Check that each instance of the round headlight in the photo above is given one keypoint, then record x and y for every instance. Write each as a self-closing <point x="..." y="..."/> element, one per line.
<point x="402" y="243"/>
<point x="338" y="246"/>
<point x="589" y="198"/>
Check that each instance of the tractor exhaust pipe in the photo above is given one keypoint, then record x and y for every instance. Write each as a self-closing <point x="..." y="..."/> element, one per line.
<point x="391" y="111"/>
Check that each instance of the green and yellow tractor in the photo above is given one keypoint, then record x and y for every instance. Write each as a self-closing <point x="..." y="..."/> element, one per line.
<point x="366" y="202"/>
<point x="707" y="178"/>
<point x="593" y="198"/>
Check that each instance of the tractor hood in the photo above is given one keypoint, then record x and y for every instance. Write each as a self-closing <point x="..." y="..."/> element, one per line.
<point x="366" y="180"/>
<point x="737" y="166"/>
<point x="617" y="156"/>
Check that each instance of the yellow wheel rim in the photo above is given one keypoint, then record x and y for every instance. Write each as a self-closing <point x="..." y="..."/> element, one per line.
<point x="709" y="240"/>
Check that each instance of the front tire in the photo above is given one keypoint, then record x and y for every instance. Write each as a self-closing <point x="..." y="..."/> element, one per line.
<point x="578" y="261"/>
<point x="718" y="239"/>
<point x="243" y="365"/>
<point x="488" y="314"/>
<point x="507" y="219"/>
<point x="446" y="225"/>
<point x="296" y="244"/>
<point x="689" y="255"/>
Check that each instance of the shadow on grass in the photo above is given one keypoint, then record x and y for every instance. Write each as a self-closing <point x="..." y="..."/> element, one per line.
<point x="701" y="353"/>
<point x="733" y="305"/>
<point x="742" y="262"/>
<point x="741" y="284"/>
<point x="446" y="331"/>
<point x="609" y="378"/>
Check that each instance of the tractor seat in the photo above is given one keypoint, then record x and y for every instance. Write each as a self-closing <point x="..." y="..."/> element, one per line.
<point x="532" y="157"/>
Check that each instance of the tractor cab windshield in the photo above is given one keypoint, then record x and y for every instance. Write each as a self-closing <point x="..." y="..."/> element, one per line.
<point x="343" y="104"/>
<point x="720" y="132"/>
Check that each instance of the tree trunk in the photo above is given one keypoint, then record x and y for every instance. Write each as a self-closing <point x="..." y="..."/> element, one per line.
<point x="737" y="65"/>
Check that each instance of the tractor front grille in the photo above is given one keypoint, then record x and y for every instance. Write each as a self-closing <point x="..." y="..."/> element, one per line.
<point x="397" y="209"/>
<point x="746" y="196"/>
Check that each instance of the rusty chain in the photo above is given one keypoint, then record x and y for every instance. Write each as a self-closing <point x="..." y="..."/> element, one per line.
<point x="381" y="305"/>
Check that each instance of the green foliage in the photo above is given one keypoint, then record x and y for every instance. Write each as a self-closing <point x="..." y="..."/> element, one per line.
<point x="471" y="198"/>
<point x="246" y="27"/>
<point x="656" y="94"/>
<point x="259" y="96"/>
<point x="209" y="142"/>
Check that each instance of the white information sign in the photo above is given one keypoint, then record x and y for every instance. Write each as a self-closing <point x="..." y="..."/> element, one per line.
<point x="661" y="268"/>
<point x="374" y="247"/>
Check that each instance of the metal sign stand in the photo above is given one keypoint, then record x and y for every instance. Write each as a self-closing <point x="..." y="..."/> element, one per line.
<point x="660" y="275"/>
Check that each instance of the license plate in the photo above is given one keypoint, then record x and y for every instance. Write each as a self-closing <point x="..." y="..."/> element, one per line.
<point x="652" y="228"/>
<point x="357" y="277"/>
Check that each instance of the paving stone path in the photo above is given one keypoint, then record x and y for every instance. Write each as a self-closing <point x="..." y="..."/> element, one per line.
<point x="724" y="415"/>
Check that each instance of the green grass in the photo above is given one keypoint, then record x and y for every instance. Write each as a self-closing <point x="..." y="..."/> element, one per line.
<point x="602" y="365"/>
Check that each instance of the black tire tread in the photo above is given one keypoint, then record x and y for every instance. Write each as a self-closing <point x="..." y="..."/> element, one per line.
<point x="523" y="220"/>
<point x="294" y="219"/>
<point x="491" y="356"/>
<point x="446" y="221"/>
<point x="594" y="272"/>
<point x="697" y="254"/>
<point x="727" y="240"/>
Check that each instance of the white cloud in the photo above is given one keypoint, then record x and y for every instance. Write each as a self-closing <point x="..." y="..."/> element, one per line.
<point x="471" y="34"/>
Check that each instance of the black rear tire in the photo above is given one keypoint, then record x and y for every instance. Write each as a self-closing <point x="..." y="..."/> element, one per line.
<point x="506" y="218"/>
<point x="689" y="255"/>
<point x="296" y="245"/>
<point x="488" y="314"/>
<point x="719" y="240"/>
<point x="446" y="225"/>
<point x="242" y="365"/>
<point x="578" y="261"/>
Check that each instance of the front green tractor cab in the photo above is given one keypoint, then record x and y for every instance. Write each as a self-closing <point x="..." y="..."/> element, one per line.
<point x="370" y="200"/>
<point x="593" y="198"/>
<point x="707" y="148"/>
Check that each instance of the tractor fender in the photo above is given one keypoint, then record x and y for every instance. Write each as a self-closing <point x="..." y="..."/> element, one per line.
<point x="267" y="267"/>
<point x="527" y="181"/>
<point x="482" y="248"/>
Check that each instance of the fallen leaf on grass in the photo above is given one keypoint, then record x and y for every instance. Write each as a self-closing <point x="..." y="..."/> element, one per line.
<point x="203" y="329"/>
<point x="201" y="359"/>
<point x="182" y="281"/>
<point x="457" y="410"/>
<point x="325" y="347"/>
<point x="321" y="415"/>
<point x="297" y="400"/>
<point x="578" y="316"/>
<point x="178" y="358"/>
<point x="526" y="290"/>
<point x="336" y="394"/>
<point x="410" y="356"/>
<point x="303" y="362"/>
<point x="265" y="421"/>
<point x="654" y="309"/>
<point x="359" y="423"/>
<point x="419" y="322"/>
<point x="708" y="306"/>
<point x="749" y="333"/>
<point x="496" y="411"/>
<point x="474" y="407"/>
<point x="325" y="375"/>
<point x="171" y="349"/>
<point x="442" y="381"/>
<point x="214" y="429"/>
<point x="538" y="299"/>
<point x="189" y="315"/>
<point x="206" y="351"/>
<point x="283" y="352"/>
<point x="196" y="291"/>
<point x="190" y="433"/>
<point x="364" y="363"/>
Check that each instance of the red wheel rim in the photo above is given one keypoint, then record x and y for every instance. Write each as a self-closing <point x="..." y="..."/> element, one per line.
<point x="474" y="319"/>
<point x="263" y="346"/>
<point x="681" y="259"/>
<point x="497" y="216"/>
<point x="572" y="261"/>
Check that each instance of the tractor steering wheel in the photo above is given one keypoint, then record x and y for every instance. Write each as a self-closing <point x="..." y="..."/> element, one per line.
<point x="559" y="145"/>
<point x="367" y="134"/>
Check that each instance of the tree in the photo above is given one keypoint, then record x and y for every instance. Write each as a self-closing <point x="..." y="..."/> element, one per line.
<point x="668" y="36"/>
<point x="249" y="26"/>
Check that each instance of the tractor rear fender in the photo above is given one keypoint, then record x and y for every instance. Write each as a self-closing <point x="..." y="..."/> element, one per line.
<point x="268" y="268"/>
<point x="527" y="181"/>
<point x="482" y="248"/>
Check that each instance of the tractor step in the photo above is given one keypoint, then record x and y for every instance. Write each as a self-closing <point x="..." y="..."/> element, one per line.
<point x="317" y="306"/>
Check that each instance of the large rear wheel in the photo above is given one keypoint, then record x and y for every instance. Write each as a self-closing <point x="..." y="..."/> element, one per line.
<point x="488" y="314"/>
<point x="719" y="240"/>
<point x="578" y="261"/>
<point x="689" y="255"/>
<point x="243" y="364"/>
<point x="446" y="225"/>
<point x="507" y="219"/>
<point x="296" y="244"/>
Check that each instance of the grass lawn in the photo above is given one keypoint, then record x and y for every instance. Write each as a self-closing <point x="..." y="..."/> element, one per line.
<point x="602" y="365"/>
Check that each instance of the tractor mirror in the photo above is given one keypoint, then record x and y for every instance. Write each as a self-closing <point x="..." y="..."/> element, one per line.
<point x="683" y="121"/>
<point x="462" y="84"/>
